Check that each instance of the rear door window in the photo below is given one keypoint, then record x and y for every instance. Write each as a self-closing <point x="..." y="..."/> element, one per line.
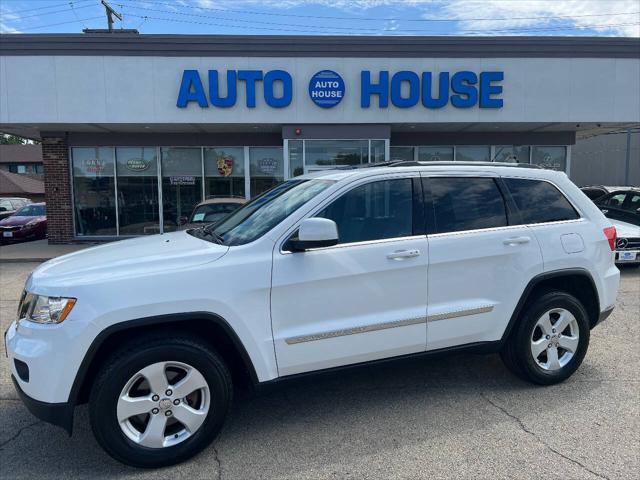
<point x="466" y="203"/>
<point x="539" y="201"/>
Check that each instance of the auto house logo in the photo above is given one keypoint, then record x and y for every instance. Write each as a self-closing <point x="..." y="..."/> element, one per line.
<point x="137" y="164"/>
<point x="326" y="88"/>
<point x="622" y="243"/>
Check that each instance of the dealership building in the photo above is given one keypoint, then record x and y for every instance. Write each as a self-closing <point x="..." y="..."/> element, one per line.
<point x="137" y="129"/>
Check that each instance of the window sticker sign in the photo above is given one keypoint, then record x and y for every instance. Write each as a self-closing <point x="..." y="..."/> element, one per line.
<point x="182" y="180"/>
<point x="94" y="165"/>
<point x="137" y="164"/>
<point x="225" y="165"/>
<point x="268" y="165"/>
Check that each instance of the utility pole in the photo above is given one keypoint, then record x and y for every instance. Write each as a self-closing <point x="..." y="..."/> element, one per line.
<point x="110" y="14"/>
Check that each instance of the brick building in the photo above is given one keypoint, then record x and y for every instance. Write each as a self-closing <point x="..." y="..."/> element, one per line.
<point x="137" y="129"/>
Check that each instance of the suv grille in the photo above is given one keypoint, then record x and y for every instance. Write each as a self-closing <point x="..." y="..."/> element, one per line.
<point x="624" y="243"/>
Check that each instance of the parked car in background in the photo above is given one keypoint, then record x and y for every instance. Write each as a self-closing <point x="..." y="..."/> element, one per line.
<point x="325" y="270"/>
<point x="596" y="191"/>
<point x="627" y="243"/>
<point x="9" y="205"/>
<point x="213" y="210"/>
<point x="28" y="223"/>
<point x="622" y="206"/>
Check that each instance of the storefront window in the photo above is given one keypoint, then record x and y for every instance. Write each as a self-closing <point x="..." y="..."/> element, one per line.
<point x="553" y="158"/>
<point x="401" y="154"/>
<point x="330" y="153"/>
<point x="181" y="184"/>
<point x="435" y="154"/>
<point x="224" y="172"/>
<point x="137" y="171"/>
<point x="267" y="168"/>
<point x="511" y="154"/>
<point x="473" y="154"/>
<point x="377" y="151"/>
<point x="295" y="158"/>
<point x="94" y="191"/>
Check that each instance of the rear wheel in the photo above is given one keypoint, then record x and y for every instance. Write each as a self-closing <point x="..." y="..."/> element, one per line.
<point x="550" y="340"/>
<point x="160" y="401"/>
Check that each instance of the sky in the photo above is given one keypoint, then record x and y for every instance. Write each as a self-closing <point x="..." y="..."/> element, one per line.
<point x="619" y="18"/>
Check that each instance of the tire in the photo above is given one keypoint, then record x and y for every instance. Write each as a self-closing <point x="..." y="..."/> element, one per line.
<point x="184" y="363"/>
<point x="533" y="334"/>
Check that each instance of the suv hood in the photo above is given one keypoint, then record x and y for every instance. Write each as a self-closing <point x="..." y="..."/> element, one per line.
<point x="126" y="258"/>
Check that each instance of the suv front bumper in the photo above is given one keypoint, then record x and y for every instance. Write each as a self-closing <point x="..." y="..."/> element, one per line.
<point x="41" y="364"/>
<point x="60" y="414"/>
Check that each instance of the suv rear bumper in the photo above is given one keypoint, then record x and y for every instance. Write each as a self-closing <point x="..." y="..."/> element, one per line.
<point x="604" y="315"/>
<point x="60" y="414"/>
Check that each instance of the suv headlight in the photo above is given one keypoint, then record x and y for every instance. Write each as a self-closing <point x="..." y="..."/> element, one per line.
<point x="42" y="309"/>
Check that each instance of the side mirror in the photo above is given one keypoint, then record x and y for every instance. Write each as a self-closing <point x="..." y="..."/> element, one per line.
<point x="315" y="233"/>
<point x="3" y="209"/>
<point x="183" y="220"/>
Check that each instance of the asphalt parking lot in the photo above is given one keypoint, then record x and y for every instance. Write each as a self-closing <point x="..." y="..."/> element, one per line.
<point x="457" y="417"/>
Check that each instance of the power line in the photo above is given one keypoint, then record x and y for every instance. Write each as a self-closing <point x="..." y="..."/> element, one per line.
<point x="69" y="4"/>
<point x="42" y="8"/>
<point x="324" y="27"/>
<point x="283" y="14"/>
<point x="306" y="27"/>
<point x="62" y="23"/>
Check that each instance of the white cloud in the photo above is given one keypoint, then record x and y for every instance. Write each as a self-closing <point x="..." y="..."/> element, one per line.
<point x="520" y="15"/>
<point x="4" y="28"/>
<point x="506" y="14"/>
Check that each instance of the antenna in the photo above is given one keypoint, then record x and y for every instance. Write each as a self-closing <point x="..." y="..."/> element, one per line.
<point x="110" y="14"/>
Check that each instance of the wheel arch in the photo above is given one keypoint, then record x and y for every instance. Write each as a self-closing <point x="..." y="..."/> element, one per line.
<point x="575" y="281"/>
<point x="205" y="325"/>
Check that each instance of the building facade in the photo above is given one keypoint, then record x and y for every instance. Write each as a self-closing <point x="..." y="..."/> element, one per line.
<point x="137" y="129"/>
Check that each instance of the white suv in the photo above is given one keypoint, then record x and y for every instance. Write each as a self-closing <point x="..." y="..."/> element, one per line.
<point x="336" y="268"/>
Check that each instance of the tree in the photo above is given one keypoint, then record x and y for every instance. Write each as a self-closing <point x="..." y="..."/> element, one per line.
<point x="7" y="139"/>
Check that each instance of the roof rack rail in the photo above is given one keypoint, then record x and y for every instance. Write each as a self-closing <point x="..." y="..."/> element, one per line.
<point x="414" y="163"/>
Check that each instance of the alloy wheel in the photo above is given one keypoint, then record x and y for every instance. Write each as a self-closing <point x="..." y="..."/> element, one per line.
<point x="555" y="339"/>
<point x="163" y="404"/>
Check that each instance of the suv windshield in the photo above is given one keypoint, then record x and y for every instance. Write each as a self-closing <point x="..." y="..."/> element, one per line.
<point x="31" y="211"/>
<point x="264" y="212"/>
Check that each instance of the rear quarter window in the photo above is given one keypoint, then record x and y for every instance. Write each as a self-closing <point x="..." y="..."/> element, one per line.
<point x="539" y="201"/>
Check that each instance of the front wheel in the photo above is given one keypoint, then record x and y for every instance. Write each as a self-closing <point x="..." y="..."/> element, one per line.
<point x="160" y="401"/>
<point x="550" y="340"/>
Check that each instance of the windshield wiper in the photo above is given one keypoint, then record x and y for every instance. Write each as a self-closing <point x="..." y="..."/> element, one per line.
<point x="210" y="233"/>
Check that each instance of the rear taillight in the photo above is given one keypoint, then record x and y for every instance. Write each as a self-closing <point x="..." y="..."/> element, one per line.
<point x="611" y="234"/>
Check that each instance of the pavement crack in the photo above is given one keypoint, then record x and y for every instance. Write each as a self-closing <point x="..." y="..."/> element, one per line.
<point x="524" y="428"/>
<point x="17" y="434"/>
<point x="216" y="457"/>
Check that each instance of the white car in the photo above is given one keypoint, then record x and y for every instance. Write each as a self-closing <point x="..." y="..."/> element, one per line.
<point x="627" y="243"/>
<point x="336" y="268"/>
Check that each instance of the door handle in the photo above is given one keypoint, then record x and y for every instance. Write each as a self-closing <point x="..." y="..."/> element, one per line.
<point x="516" y="240"/>
<point x="400" y="254"/>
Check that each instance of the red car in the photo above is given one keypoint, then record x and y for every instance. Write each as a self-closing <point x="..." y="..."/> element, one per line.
<point x="29" y="222"/>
